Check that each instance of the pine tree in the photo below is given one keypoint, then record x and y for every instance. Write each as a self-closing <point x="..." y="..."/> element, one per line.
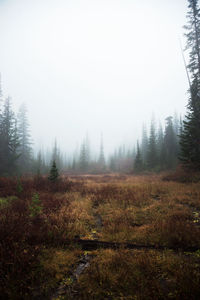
<point x="39" y="164"/>
<point x="144" y="145"/>
<point x="190" y="136"/>
<point x="53" y="175"/>
<point x="101" y="159"/>
<point x="14" y="146"/>
<point x="9" y="140"/>
<point x="74" y="164"/>
<point x="170" y="143"/>
<point x="1" y="123"/>
<point x="180" y="127"/>
<point x="138" y="164"/>
<point x="112" y="163"/>
<point x="56" y="155"/>
<point x="176" y="124"/>
<point x="24" y="150"/>
<point x="152" y="156"/>
<point x="83" y="158"/>
<point x="1" y="101"/>
<point x="87" y="149"/>
<point x="161" y="150"/>
<point x="177" y="131"/>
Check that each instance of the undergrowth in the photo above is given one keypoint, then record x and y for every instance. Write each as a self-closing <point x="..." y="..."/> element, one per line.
<point x="38" y="217"/>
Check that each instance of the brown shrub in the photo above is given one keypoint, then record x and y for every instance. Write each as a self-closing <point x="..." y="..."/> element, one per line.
<point x="25" y="186"/>
<point x="140" y="275"/>
<point x="182" y="175"/>
<point x="174" y="230"/>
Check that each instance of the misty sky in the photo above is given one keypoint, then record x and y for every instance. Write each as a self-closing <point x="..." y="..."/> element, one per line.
<point x="93" y="66"/>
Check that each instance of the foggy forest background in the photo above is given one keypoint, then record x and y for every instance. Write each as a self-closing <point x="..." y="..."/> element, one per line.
<point x="157" y="150"/>
<point x="162" y="145"/>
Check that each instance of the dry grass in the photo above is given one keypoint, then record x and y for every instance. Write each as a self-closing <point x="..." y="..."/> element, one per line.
<point x="55" y="263"/>
<point x="139" y="209"/>
<point x="74" y="218"/>
<point x="141" y="275"/>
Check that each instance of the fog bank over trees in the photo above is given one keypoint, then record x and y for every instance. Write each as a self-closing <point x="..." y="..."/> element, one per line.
<point x="92" y="67"/>
<point x="156" y="150"/>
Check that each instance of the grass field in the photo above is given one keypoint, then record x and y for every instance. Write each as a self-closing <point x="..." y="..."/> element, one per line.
<point x="37" y="218"/>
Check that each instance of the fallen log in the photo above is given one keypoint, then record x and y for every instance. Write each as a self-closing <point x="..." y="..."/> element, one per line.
<point x="95" y="244"/>
<point x="89" y="245"/>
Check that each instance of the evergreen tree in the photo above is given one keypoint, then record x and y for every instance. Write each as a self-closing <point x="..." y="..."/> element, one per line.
<point x="161" y="150"/>
<point x="9" y="140"/>
<point x="112" y="163"/>
<point x="152" y="157"/>
<point x="177" y="131"/>
<point x="176" y="124"/>
<point x="24" y="150"/>
<point x="56" y="155"/>
<point x="74" y="164"/>
<point x="53" y="175"/>
<point x="138" y="164"/>
<point x="170" y="143"/>
<point x="101" y="159"/>
<point x="144" y="145"/>
<point x="1" y="123"/>
<point x="190" y="136"/>
<point x="76" y="160"/>
<point x="39" y="164"/>
<point x="87" y="149"/>
<point x="15" y="145"/>
<point x="1" y="102"/>
<point x="83" y="158"/>
<point x="180" y="127"/>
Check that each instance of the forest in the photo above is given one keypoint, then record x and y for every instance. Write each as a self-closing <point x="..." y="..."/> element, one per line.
<point x="157" y="151"/>
<point x="96" y="225"/>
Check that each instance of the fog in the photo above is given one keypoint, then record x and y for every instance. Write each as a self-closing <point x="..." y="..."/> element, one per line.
<point x="92" y="66"/>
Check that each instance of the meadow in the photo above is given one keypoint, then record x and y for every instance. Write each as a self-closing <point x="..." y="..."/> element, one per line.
<point x="44" y="226"/>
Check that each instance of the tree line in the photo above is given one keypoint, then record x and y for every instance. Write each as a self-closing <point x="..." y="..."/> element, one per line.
<point x="15" y="141"/>
<point x="159" y="149"/>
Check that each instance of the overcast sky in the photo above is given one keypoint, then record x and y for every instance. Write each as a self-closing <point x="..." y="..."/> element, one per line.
<point x="93" y="66"/>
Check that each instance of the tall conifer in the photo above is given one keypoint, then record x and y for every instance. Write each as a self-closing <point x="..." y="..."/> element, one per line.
<point x="24" y="150"/>
<point x="9" y="140"/>
<point x="152" y="155"/>
<point x="190" y="136"/>
<point x="138" y="164"/>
